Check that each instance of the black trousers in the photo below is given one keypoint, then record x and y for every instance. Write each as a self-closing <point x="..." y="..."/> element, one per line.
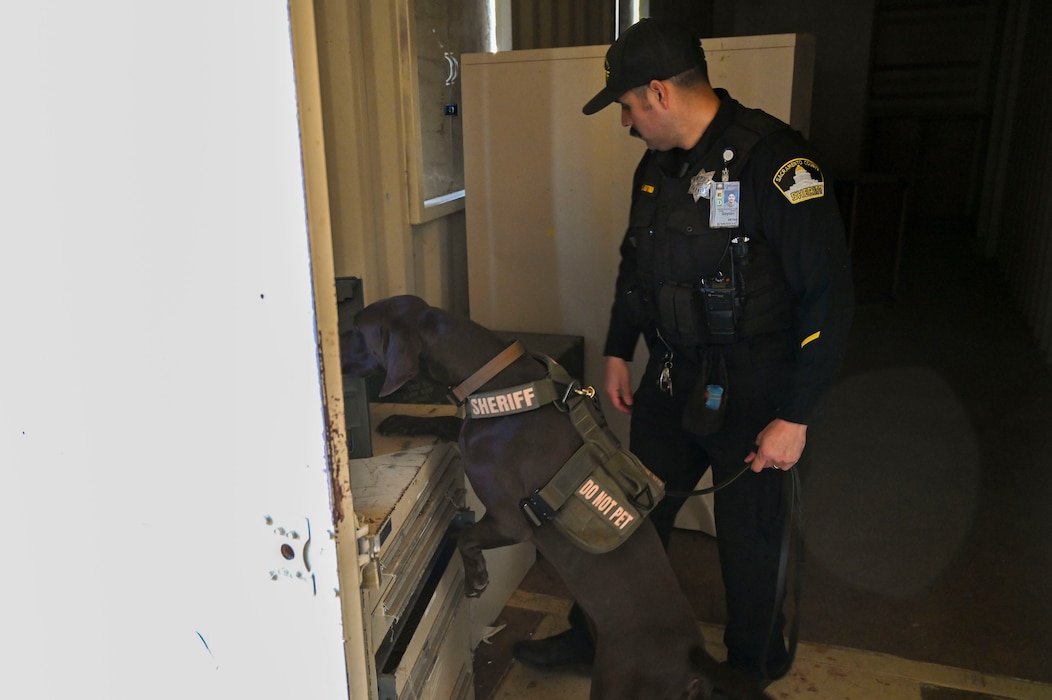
<point x="750" y="513"/>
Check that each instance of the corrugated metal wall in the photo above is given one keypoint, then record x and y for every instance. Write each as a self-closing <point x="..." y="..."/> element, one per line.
<point x="932" y="92"/>
<point x="1023" y="219"/>
<point x="549" y="24"/>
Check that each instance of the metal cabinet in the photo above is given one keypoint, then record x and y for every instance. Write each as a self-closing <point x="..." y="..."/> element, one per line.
<point x="407" y="497"/>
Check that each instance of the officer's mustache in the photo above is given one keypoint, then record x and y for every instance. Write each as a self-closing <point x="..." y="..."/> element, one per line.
<point x="632" y="132"/>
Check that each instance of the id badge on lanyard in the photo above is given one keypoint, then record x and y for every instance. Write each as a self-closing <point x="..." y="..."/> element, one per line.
<point x="723" y="204"/>
<point x="725" y="198"/>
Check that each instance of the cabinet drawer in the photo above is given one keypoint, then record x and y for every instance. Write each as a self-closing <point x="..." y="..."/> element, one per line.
<point x="435" y="661"/>
<point x="410" y="552"/>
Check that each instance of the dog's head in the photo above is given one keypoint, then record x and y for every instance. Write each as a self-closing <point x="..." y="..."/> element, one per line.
<point x="385" y="338"/>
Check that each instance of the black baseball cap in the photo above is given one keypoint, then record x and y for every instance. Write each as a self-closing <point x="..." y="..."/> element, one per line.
<point x="651" y="49"/>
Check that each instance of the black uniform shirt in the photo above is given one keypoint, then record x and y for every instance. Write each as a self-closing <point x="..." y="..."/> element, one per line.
<point x="787" y="200"/>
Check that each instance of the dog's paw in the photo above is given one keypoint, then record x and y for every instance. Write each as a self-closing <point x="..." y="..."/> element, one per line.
<point x="399" y="424"/>
<point x="475" y="583"/>
<point x="443" y="427"/>
<point x="474" y="591"/>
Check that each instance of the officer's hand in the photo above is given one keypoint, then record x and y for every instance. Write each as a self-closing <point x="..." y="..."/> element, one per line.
<point x="618" y="383"/>
<point x="778" y="446"/>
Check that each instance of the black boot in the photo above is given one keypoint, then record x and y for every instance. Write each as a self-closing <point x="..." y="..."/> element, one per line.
<point x="571" y="650"/>
<point x="760" y="679"/>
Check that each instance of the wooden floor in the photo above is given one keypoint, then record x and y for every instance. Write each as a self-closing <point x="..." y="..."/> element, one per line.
<point x="821" y="672"/>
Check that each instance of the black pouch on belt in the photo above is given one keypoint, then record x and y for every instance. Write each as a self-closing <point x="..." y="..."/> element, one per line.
<point x="707" y="406"/>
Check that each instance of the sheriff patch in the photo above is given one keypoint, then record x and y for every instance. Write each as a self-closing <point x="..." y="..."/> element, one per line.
<point x="499" y="404"/>
<point x="604" y="505"/>
<point x="800" y="180"/>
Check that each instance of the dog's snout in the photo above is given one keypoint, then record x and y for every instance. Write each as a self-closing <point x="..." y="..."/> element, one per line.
<point x="355" y="358"/>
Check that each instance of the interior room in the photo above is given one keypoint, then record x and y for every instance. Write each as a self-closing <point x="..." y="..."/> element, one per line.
<point x="198" y="196"/>
<point x="925" y="533"/>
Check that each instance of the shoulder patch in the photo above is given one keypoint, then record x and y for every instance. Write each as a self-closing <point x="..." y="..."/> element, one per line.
<point x="800" y="180"/>
<point x="646" y="188"/>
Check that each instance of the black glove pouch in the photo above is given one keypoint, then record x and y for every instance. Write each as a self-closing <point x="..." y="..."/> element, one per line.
<point x="707" y="406"/>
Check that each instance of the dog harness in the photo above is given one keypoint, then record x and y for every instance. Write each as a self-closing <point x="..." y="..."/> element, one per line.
<point x="599" y="497"/>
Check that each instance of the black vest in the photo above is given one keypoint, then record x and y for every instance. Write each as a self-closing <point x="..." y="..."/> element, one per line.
<point x="699" y="288"/>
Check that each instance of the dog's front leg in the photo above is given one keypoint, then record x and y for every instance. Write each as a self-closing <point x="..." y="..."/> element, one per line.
<point x="471" y="540"/>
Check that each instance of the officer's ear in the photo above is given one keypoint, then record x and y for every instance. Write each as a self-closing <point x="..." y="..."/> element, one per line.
<point x="660" y="90"/>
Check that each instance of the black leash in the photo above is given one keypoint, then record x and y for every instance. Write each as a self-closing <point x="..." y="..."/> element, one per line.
<point x="791" y="533"/>
<point x="716" y="487"/>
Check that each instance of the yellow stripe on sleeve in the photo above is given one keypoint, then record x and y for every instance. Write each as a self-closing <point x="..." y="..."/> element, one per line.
<point x="808" y="339"/>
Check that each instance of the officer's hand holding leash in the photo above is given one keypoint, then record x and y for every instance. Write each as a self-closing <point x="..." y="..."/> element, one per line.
<point x="778" y="446"/>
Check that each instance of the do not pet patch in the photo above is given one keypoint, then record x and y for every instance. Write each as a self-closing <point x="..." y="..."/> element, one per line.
<point x="604" y="505"/>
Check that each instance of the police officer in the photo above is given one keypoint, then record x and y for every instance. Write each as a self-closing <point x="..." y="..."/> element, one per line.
<point x="735" y="271"/>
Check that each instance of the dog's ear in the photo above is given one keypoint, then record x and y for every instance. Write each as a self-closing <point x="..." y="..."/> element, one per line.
<point x="401" y="356"/>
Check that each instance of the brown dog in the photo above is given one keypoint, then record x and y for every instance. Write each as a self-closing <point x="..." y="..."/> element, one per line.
<point x="648" y="645"/>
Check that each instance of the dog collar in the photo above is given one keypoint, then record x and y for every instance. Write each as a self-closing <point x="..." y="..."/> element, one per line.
<point x="486" y="372"/>
<point x="517" y="399"/>
<point x="555" y="388"/>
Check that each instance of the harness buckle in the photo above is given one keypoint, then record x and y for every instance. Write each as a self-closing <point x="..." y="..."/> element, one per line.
<point x="574" y="387"/>
<point x="536" y="509"/>
<point x="454" y="399"/>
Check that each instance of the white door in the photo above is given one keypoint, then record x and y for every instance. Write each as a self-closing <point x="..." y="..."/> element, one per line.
<point x="162" y="442"/>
